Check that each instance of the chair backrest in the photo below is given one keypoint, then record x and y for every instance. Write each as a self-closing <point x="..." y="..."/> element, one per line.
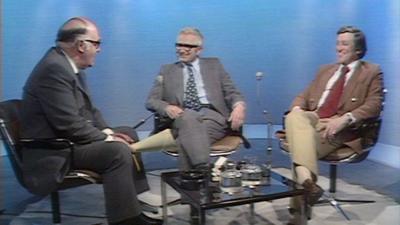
<point x="9" y="131"/>
<point x="369" y="130"/>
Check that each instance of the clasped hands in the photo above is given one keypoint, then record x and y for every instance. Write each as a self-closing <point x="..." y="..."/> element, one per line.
<point x="122" y="138"/>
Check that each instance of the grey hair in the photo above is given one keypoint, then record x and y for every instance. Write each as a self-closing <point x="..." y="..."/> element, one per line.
<point x="194" y="31"/>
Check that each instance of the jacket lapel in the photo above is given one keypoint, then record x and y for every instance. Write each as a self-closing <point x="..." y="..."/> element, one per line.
<point x="351" y="84"/>
<point x="80" y="79"/>
<point x="177" y="80"/>
<point x="208" y="81"/>
<point x="324" y="80"/>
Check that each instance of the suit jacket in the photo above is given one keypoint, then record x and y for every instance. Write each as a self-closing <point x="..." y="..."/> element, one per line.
<point x="168" y="87"/>
<point x="55" y="105"/>
<point x="362" y="96"/>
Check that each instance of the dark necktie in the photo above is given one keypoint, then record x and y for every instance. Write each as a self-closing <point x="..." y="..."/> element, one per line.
<point x="191" y="100"/>
<point x="330" y="106"/>
<point x="82" y="80"/>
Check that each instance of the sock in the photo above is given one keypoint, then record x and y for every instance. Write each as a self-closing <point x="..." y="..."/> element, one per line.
<point x="156" y="142"/>
<point x="302" y="174"/>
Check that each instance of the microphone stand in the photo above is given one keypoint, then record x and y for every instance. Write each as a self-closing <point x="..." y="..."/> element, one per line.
<point x="267" y="116"/>
<point x="142" y="121"/>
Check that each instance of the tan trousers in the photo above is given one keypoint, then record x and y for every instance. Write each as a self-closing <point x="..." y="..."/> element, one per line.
<point x="303" y="133"/>
<point x="305" y="142"/>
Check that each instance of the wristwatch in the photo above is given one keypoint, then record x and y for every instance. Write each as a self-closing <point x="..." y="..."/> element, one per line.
<point x="349" y="117"/>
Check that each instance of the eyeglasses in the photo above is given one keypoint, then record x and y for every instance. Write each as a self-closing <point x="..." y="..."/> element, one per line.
<point x="181" y="45"/>
<point x="96" y="44"/>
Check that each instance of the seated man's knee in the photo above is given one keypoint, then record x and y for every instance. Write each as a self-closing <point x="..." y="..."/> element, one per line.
<point x="187" y="117"/>
<point x="120" y="152"/>
<point x="292" y="115"/>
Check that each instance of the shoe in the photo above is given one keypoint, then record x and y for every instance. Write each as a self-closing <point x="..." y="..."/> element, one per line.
<point x="292" y="211"/>
<point x="295" y="219"/>
<point x="142" y="219"/>
<point x="313" y="191"/>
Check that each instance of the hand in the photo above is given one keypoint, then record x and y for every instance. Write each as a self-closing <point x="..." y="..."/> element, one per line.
<point x="297" y="108"/>
<point x="173" y="111"/>
<point x="124" y="137"/>
<point x="237" y="116"/>
<point x="333" y="126"/>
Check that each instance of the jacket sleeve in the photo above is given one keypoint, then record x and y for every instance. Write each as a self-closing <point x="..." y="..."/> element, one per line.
<point x="309" y="97"/>
<point x="155" y="102"/>
<point x="231" y="94"/>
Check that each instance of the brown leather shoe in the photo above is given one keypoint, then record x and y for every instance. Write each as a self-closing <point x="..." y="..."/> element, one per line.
<point x="294" y="219"/>
<point x="292" y="211"/>
<point x="313" y="191"/>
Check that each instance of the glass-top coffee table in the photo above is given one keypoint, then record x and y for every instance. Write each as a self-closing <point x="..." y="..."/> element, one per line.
<point x="212" y="197"/>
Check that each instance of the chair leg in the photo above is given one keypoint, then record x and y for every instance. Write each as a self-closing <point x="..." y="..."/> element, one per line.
<point x="55" y="206"/>
<point x="331" y="198"/>
<point x="332" y="178"/>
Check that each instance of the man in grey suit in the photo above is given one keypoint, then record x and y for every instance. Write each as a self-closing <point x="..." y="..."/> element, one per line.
<point x="56" y="104"/>
<point x="198" y="97"/>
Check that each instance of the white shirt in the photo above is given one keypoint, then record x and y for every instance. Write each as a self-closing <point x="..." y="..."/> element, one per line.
<point x="333" y="79"/>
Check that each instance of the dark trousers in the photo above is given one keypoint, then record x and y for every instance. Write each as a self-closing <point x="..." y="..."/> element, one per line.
<point x="121" y="179"/>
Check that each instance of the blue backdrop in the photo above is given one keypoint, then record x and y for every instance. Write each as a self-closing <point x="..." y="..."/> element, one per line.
<point x="286" y="40"/>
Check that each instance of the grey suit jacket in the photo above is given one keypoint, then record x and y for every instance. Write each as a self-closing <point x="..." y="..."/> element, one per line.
<point x="362" y="96"/>
<point x="55" y="105"/>
<point x="168" y="87"/>
<point x="51" y="81"/>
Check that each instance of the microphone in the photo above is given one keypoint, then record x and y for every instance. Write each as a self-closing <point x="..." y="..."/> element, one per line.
<point x="267" y="166"/>
<point x="259" y="75"/>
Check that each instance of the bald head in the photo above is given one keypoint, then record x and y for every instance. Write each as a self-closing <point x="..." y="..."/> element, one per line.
<point x="73" y="28"/>
<point x="80" y="39"/>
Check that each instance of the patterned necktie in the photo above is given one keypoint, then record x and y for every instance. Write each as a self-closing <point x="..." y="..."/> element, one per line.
<point x="330" y="106"/>
<point x="191" y="100"/>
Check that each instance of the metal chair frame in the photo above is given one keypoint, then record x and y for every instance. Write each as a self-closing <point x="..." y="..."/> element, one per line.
<point x="9" y="130"/>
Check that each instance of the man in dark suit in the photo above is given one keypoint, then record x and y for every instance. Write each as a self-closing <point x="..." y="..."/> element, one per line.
<point x="199" y="97"/>
<point x="324" y="116"/>
<point x="56" y="104"/>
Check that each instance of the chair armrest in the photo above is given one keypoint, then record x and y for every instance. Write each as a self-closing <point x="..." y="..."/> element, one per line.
<point x="53" y="144"/>
<point x="161" y="123"/>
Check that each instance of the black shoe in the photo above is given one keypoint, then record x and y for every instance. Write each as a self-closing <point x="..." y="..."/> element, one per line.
<point x="142" y="219"/>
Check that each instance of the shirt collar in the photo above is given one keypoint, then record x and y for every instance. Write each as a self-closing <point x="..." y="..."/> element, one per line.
<point x="352" y="65"/>
<point x="71" y="62"/>
<point x="195" y="63"/>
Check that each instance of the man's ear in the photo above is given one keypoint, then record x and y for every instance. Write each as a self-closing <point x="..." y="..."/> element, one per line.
<point x="81" y="46"/>
<point x="358" y="52"/>
<point x="199" y="51"/>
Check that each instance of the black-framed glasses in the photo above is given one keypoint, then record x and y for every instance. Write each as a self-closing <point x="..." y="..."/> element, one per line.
<point x="181" y="45"/>
<point x="96" y="44"/>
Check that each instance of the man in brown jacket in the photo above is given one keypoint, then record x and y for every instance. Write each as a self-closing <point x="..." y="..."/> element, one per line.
<point x="341" y="96"/>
